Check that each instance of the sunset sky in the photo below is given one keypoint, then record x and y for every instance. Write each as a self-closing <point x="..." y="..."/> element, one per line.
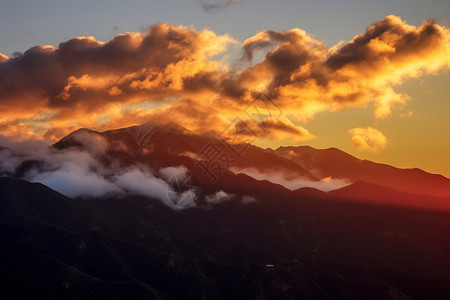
<point x="368" y="77"/>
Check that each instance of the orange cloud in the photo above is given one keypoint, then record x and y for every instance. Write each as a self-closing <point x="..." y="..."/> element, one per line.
<point x="3" y="58"/>
<point x="306" y="76"/>
<point x="82" y="80"/>
<point x="180" y="74"/>
<point x="279" y="129"/>
<point x="368" y="139"/>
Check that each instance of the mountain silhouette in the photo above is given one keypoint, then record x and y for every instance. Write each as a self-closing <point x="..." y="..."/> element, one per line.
<point x="290" y="247"/>
<point x="386" y="196"/>
<point x="335" y="163"/>
<point x="162" y="143"/>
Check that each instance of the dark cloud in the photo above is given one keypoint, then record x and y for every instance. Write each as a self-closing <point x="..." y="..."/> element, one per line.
<point x="206" y="6"/>
<point x="388" y="39"/>
<point x="300" y="70"/>
<point x="84" y="68"/>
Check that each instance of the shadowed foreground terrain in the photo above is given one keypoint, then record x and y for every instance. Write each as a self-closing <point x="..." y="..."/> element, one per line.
<point x="286" y="245"/>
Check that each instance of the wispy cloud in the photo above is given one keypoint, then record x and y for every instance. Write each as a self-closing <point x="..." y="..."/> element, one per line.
<point x="218" y="197"/>
<point x="293" y="182"/>
<point x="208" y="6"/>
<point x="247" y="199"/>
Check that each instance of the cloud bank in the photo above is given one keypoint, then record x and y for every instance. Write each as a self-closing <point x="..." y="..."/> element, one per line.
<point x="293" y="182"/>
<point x="80" y="173"/>
<point x="182" y="74"/>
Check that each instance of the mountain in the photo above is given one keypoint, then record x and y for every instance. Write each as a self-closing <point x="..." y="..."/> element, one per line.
<point x="159" y="144"/>
<point x="372" y="193"/>
<point x="243" y="238"/>
<point x="282" y="246"/>
<point x="302" y="161"/>
<point x="335" y="163"/>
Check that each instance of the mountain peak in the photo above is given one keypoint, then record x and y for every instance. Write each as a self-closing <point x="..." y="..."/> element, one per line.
<point x="171" y="126"/>
<point x="151" y="126"/>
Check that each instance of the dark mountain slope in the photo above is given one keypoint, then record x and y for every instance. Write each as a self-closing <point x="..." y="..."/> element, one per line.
<point x="338" y="164"/>
<point x="386" y="196"/>
<point x="290" y="246"/>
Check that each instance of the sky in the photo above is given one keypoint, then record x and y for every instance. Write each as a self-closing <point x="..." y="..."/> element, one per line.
<point x="381" y="95"/>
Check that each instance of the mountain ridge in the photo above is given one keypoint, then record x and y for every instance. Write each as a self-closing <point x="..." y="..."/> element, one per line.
<point x="160" y="146"/>
<point x="336" y="163"/>
<point x="307" y="162"/>
<point x="382" y="195"/>
<point x="278" y="247"/>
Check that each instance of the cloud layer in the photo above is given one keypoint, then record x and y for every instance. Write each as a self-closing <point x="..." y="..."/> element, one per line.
<point x="181" y="74"/>
<point x="292" y="182"/>
<point x="80" y="173"/>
